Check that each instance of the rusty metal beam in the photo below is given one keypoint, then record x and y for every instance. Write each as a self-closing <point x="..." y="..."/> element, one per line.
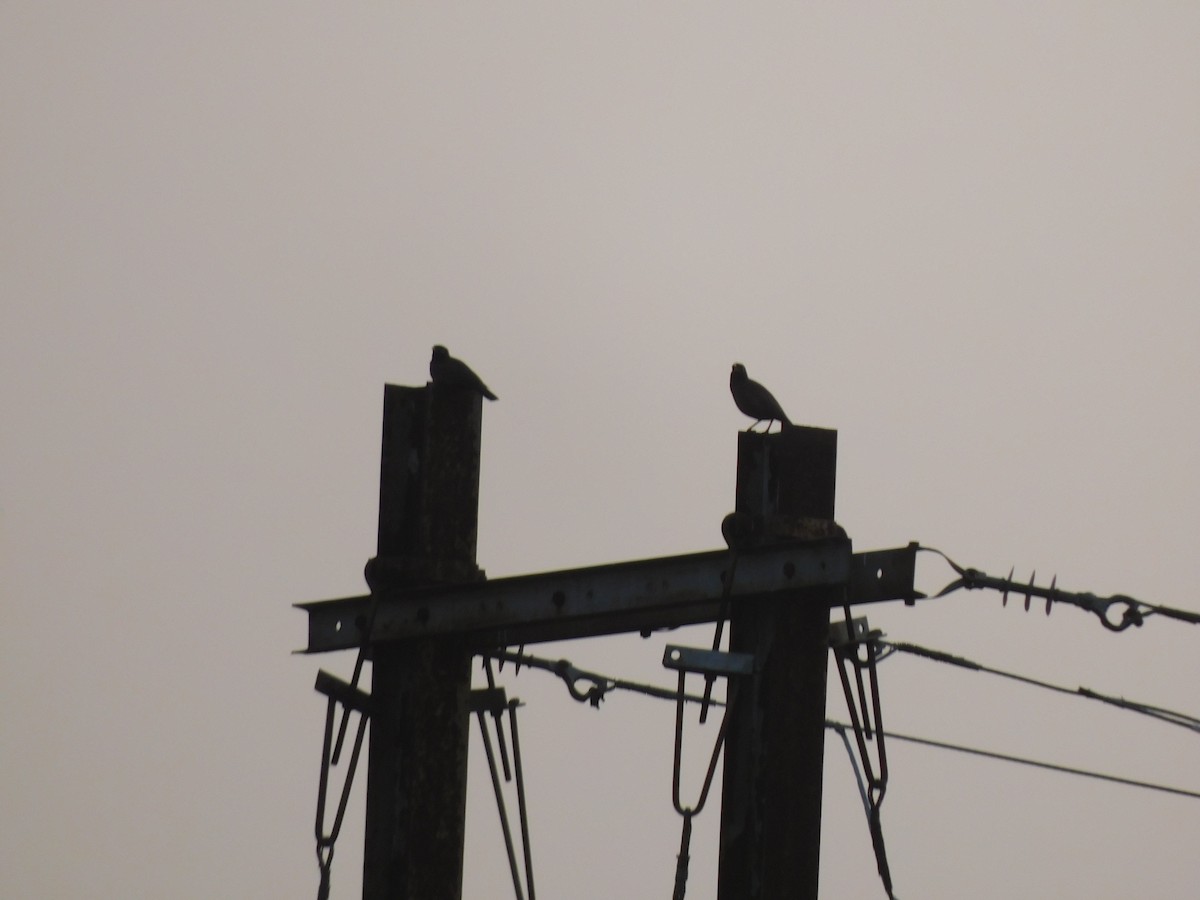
<point x="644" y="595"/>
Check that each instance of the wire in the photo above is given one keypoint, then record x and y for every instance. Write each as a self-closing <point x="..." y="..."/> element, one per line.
<point x="1004" y="757"/>
<point x="1156" y="712"/>
<point x="870" y="809"/>
<point x="1133" y="612"/>
<point x="862" y="787"/>
<point x="568" y="673"/>
<point x="1184" y="615"/>
<point x="599" y="684"/>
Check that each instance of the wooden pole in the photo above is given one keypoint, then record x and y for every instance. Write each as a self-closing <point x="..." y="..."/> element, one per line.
<point x="774" y="751"/>
<point x="417" y="764"/>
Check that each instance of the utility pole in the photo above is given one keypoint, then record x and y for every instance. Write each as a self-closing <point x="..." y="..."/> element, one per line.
<point x="417" y="763"/>
<point x="430" y="610"/>
<point x="774" y="750"/>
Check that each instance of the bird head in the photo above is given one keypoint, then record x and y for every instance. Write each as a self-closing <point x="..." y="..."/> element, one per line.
<point x="440" y="352"/>
<point x="738" y="373"/>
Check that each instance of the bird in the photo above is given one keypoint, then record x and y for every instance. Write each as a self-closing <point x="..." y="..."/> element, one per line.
<point x="755" y="400"/>
<point x="444" y="369"/>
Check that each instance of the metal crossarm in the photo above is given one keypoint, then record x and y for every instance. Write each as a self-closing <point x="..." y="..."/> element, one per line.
<point x="644" y="595"/>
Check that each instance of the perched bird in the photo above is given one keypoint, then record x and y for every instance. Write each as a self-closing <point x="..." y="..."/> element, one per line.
<point x="445" y="369"/>
<point x="755" y="400"/>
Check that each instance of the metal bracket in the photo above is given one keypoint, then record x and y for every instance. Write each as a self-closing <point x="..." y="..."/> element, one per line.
<point x="845" y="633"/>
<point x="878" y="575"/>
<point x="489" y="700"/>
<point x="707" y="662"/>
<point x="343" y="692"/>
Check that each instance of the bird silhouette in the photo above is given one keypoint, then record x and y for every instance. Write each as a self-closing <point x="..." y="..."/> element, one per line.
<point x="755" y="400"/>
<point x="444" y="369"/>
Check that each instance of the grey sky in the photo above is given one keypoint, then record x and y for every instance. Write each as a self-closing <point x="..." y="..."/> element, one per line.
<point x="965" y="235"/>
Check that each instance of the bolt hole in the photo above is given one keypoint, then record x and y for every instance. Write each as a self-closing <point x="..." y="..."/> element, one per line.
<point x="558" y="599"/>
<point x="879" y="574"/>
<point x="337" y="626"/>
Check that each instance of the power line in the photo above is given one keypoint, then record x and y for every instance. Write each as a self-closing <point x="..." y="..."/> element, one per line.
<point x="1132" y="612"/>
<point x="568" y="672"/>
<point x="1005" y="757"/>
<point x="1156" y="712"/>
<point x="597" y="685"/>
<point x="601" y="684"/>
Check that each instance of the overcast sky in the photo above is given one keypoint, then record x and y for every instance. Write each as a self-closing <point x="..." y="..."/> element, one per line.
<point x="963" y="234"/>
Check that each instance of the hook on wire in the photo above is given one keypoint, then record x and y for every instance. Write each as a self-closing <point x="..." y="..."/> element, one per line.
<point x="1107" y="609"/>
<point x="598" y="685"/>
<point x="571" y="676"/>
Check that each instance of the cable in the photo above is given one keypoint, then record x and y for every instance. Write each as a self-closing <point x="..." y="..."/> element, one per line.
<point x="1183" y="615"/>
<point x="1133" y="612"/>
<point x="1004" y="757"/>
<point x="1156" y="712"/>
<point x="862" y="787"/>
<point x="599" y="684"/>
